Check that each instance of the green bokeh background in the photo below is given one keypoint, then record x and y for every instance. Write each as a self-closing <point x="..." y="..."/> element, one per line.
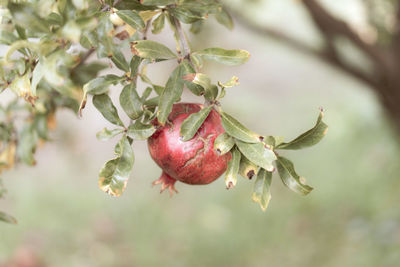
<point x="352" y="218"/>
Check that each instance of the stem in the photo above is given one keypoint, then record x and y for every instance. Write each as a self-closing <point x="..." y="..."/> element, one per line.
<point x="185" y="45"/>
<point x="84" y="58"/>
<point x="145" y="30"/>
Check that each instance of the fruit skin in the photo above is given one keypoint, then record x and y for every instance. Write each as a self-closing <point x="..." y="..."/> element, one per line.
<point x="192" y="162"/>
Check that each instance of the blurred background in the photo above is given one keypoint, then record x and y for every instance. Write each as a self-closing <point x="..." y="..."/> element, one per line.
<point x="352" y="218"/>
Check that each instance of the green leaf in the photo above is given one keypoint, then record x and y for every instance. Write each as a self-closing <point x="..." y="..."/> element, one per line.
<point x="194" y="88"/>
<point x="171" y="94"/>
<point x="55" y="19"/>
<point x="152" y="102"/>
<point x="140" y="131"/>
<point x="258" y="153"/>
<point x="197" y="26"/>
<point x="158" y="24"/>
<point x="211" y="91"/>
<point x="105" y="134"/>
<point x="234" y="128"/>
<point x="224" y="18"/>
<point x="7" y="218"/>
<point x="72" y="31"/>
<point x="151" y="50"/>
<point x="100" y="85"/>
<point x="24" y="15"/>
<point x="227" y="57"/>
<point x="223" y="143"/>
<point x="130" y="101"/>
<point x="233" y="169"/>
<point x="247" y="168"/>
<point x="261" y="192"/>
<point x="21" y="85"/>
<point x="196" y="60"/>
<point x="119" y="59"/>
<point x="157" y="2"/>
<point x="290" y="178"/>
<point x="158" y="89"/>
<point x="37" y="75"/>
<point x="134" y="65"/>
<point x="132" y="18"/>
<point x="84" y="73"/>
<point x="114" y="175"/>
<point x="309" y="138"/>
<point x="232" y="82"/>
<point x="27" y="144"/>
<point x="40" y="125"/>
<point x="7" y="38"/>
<point x="104" y="104"/>
<point x="186" y="15"/>
<point x="146" y="94"/>
<point x="191" y="124"/>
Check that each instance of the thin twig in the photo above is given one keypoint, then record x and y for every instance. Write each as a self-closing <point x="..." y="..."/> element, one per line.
<point x="85" y="57"/>
<point x="146" y="29"/>
<point x="185" y="45"/>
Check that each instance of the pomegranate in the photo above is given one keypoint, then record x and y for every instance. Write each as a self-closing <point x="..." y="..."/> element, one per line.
<point x="192" y="162"/>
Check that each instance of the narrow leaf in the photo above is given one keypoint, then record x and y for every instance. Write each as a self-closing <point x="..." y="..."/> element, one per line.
<point x="134" y="65"/>
<point x="171" y="94"/>
<point x="158" y="24"/>
<point x="105" y="134"/>
<point x="227" y="57"/>
<point x="211" y="91"/>
<point x="233" y="169"/>
<point x="223" y="143"/>
<point x="25" y="16"/>
<point x="234" y="128"/>
<point x="261" y="192"/>
<point x="27" y="140"/>
<point x="224" y="18"/>
<point x="104" y="104"/>
<point x="146" y="94"/>
<point x="119" y="59"/>
<point x="186" y="15"/>
<point x="7" y="218"/>
<point x="151" y="50"/>
<point x="140" y="131"/>
<point x="114" y="175"/>
<point x="258" y="153"/>
<point x="290" y="178"/>
<point x="157" y="2"/>
<point x="309" y="138"/>
<point x="192" y="123"/>
<point x="232" y="82"/>
<point x="100" y="85"/>
<point x="130" y="101"/>
<point x="37" y="75"/>
<point x="247" y="168"/>
<point x="193" y="87"/>
<point x="132" y="18"/>
<point x="7" y="37"/>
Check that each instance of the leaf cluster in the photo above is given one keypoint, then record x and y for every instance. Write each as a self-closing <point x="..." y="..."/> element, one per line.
<point x="57" y="54"/>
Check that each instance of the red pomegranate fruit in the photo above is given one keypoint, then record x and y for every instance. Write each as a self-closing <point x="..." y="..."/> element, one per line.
<point x="192" y="162"/>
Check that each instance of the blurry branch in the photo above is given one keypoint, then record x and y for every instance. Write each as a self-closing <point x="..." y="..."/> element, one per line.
<point x="384" y="78"/>
<point x="328" y="55"/>
<point x="331" y="27"/>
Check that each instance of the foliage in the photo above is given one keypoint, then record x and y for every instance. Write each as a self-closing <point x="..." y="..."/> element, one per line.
<point x="46" y="67"/>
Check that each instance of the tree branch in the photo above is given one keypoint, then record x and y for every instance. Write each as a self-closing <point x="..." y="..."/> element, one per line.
<point x="331" y="27"/>
<point x="329" y="56"/>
